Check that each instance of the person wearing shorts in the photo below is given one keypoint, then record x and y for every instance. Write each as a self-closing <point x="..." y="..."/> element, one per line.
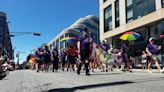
<point x="153" y="50"/>
<point x="72" y="53"/>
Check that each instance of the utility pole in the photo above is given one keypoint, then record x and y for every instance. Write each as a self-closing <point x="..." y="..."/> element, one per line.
<point x="18" y="56"/>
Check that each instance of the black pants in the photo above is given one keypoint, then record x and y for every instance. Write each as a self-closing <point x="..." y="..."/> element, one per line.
<point x="55" y="65"/>
<point x="86" y="67"/>
<point x="84" y="53"/>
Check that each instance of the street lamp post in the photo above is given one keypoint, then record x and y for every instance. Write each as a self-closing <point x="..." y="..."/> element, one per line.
<point x="18" y="58"/>
<point x="13" y="34"/>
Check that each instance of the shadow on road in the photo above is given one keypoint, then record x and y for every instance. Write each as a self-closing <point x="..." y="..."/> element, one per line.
<point x="89" y="86"/>
<point x="1" y="78"/>
<point x="105" y="84"/>
<point x="106" y="73"/>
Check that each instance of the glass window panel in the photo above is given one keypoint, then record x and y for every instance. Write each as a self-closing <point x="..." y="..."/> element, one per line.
<point x="162" y="2"/>
<point x="130" y="14"/>
<point x="129" y="2"/>
<point x="117" y="18"/>
<point x="108" y="19"/>
<point x="161" y="28"/>
<point x="153" y="31"/>
<point x="90" y="25"/>
<point x="108" y="12"/>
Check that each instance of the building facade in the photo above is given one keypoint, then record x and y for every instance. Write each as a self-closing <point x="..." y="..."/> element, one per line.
<point x="5" y="40"/>
<point x="90" y="22"/>
<point x="145" y="17"/>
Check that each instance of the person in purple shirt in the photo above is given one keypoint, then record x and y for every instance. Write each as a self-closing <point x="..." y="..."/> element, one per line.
<point x="125" y="49"/>
<point x="104" y="46"/>
<point x="153" y="51"/>
<point x="83" y="50"/>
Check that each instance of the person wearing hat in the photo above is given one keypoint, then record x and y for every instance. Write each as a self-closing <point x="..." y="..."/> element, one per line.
<point x="153" y="51"/>
<point x="83" y="51"/>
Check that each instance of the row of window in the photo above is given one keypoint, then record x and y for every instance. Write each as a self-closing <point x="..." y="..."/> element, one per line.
<point x="108" y="17"/>
<point x="138" y="8"/>
<point x="156" y="31"/>
<point x="90" y="25"/>
<point x="134" y="10"/>
<point x="162" y="2"/>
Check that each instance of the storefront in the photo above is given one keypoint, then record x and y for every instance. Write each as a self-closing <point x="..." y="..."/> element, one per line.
<point x="155" y="30"/>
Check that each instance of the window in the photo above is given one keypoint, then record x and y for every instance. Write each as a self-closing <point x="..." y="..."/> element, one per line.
<point x="108" y="19"/>
<point x="57" y="44"/>
<point x="129" y="2"/>
<point x="161" y="29"/>
<point x="116" y="42"/>
<point x="162" y="3"/>
<point x="129" y="15"/>
<point x="104" y="0"/>
<point x="117" y="18"/>
<point x="95" y="21"/>
<point x="2" y="21"/>
<point x="143" y="32"/>
<point x="54" y="44"/>
<point x="89" y="25"/>
<point x="141" y="8"/>
<point x="153" y="31"/>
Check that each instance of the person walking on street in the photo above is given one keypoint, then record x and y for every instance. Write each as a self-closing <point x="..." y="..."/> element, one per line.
<point x="72" y="53"/>
<point x="105" y="47"/>
<point x="55" y="59"/>
<point x="47" y="58"/>
<point x="63" y="55"/>
<point x="83" y="50"/>
<point x="153" y="50"/>
<point x="38" y="55"/>
<point x="126" y="56"/>
<point x="143" y="59"/>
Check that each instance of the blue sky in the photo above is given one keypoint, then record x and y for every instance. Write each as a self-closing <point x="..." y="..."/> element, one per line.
<point x="48" y="17"/>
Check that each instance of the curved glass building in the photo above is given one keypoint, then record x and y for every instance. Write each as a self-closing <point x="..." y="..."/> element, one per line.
<point x="90" y="22"/>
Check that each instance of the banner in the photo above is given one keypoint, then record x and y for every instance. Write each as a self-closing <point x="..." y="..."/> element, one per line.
<point x="101" y="55"/>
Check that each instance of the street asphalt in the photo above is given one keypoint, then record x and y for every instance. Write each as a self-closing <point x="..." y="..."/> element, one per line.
<point x="31" y="81"/>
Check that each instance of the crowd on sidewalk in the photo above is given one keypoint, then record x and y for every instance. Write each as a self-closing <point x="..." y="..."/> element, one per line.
<point x="84" y="56"/>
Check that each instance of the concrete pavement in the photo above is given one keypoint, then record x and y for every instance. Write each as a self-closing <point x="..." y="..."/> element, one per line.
<point x="30" y="81"/>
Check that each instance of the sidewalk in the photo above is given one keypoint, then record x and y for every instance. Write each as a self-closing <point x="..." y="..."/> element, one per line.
<point x="140" y="70"/>
<point x="145" y="70"/>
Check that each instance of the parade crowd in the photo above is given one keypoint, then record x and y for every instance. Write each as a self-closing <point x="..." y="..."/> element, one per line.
<point x="85" y="57"/>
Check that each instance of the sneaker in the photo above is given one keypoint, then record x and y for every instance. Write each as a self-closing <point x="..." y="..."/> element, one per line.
<point x="78" y="72"/>
<point x="88" y="74"/>
<point x="131" y="71"/>
<point x="161" y="71"/>
<point x="149" y="71"/>
<point x="123" y="70"/>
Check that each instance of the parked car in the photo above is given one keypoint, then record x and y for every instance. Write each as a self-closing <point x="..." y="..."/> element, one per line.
<point x="2" y="72"/>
